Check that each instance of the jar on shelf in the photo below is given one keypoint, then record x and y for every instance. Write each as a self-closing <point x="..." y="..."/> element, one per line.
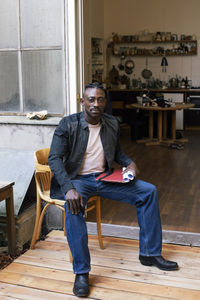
<point x="115" y="37"/>
<point x="168" y="36"/>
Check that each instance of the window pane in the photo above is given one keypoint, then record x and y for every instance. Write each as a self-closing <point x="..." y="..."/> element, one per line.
<point x="41" y="23"/>
<point x="9" y="87"/>
<point x="43" y="80"/>
<point x="8" y="24"/>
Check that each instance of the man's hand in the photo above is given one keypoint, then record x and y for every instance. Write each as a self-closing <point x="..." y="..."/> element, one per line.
<point x="74" y="201"/>
<point x="133" y="168"/>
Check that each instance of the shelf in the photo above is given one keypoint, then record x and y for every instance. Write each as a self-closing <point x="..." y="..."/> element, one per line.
<point x="157" y="42"/>
<point x="97" y="53"/>
<point x="182" y="48"/>
<point x="97" y="66"/>
<point x="158" y="55"/>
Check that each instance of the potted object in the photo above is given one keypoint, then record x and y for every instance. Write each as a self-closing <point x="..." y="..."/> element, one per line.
<point x="124" y="81"/>
<point x="114" y="76"/>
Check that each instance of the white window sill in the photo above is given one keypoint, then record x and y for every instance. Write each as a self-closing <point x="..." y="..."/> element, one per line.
<point x="22" y="120"/>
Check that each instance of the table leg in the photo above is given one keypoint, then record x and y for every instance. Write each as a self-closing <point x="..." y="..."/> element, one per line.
<point x="173" y="134"/>
<point x="151" y="125"/>
<point x="159" y="126"/>
<point x="164" y="124"/>
<point x="151" y="140"/>
<point x="11" y="224"/>
<point x="173" y="124"/>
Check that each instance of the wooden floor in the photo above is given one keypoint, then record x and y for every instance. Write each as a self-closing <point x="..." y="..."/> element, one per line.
<point x="46" y="273"/>
<point x="176" y="174"/>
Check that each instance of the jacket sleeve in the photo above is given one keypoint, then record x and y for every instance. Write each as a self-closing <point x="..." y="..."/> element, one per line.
<point x="120" y="157"/>
<point x="59" y="148"/>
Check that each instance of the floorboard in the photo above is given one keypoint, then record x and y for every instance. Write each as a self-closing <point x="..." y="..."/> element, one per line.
<point x="176" y="174"/>
<point x="46" y="273"/>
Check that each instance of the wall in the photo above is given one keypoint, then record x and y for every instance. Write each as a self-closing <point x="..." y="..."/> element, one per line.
<point x="17" y="132"/>
<point x="128" y="16"/>
<point x="93" y="19"/>
<point x="179" y="16"/>
<point x="97" y="18"/>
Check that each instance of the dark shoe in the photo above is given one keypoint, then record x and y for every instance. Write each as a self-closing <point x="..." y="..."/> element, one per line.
<point x="159" y="262"/>
<point x="81" y="285"/>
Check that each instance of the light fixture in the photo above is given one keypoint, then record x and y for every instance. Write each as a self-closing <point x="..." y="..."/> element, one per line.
<point x="164" y="64"/>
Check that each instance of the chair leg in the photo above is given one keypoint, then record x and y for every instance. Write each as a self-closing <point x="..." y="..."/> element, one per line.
<point x="64" y="223"/>
<point x="70" y="256"/>
<point x="98" y="216"/>
<point x="41" y="219"/>
<point x="37" y="218"/>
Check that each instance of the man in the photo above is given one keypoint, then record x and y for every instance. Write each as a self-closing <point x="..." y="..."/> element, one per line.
<point x="84" y="145"/>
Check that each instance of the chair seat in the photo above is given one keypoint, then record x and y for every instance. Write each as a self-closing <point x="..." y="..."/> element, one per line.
<point x="46" y="197"/>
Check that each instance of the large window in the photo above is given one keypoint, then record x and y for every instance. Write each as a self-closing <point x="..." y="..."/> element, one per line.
<point x="32" y="56"/>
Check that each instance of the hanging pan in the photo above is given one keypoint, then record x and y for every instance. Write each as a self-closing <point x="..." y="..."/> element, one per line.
<point x="121" y="66"/>
<point x="129" y="66"/>
<point x="146" y="73"/>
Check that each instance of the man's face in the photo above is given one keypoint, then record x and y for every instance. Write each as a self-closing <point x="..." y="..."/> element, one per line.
<point x="94" y="102"/>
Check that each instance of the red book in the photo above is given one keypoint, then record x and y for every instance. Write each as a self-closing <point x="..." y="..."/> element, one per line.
<point x="114" y="176"/>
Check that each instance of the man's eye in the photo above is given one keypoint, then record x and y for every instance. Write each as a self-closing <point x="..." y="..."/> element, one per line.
<point x="99" y="100"/>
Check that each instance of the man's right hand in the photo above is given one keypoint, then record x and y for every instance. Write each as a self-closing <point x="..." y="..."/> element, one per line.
<point x="74" y="201"/>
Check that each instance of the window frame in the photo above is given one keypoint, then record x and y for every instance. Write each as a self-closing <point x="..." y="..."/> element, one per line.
<point x="69" y="61"/>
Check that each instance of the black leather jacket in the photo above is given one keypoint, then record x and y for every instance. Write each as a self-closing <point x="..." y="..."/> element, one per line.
<point x="69" y="144"/>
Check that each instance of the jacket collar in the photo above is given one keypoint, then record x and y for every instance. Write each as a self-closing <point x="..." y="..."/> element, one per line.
<point x="82" y="120"/>
<point x="84" y="124"/>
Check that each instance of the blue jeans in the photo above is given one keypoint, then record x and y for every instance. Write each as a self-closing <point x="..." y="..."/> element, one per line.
<point x="139" y="193"/>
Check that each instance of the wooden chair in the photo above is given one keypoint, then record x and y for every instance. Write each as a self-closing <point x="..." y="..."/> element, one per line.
<point x="43" y="176"/>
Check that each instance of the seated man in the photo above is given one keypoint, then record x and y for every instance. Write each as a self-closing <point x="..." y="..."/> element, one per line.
<point x="84" y="145"/>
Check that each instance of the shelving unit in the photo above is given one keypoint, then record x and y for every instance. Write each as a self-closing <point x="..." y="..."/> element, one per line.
<point x="97" y="59"/>
<point x="155" y="48"/>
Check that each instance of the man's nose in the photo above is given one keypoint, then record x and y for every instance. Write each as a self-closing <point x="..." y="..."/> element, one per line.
<point x="96" y="102"/>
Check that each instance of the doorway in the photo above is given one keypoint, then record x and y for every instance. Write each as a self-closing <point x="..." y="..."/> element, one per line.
<point x="174" y="172"/>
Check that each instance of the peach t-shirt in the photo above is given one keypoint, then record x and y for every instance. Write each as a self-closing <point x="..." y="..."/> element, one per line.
<point x="94" y="159"/>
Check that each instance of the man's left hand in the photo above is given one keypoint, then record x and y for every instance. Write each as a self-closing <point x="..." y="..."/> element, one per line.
<point x="133" y="168"/>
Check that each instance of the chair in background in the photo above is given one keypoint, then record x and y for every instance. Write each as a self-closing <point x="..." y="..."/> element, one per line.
<point x="43" y="176"/>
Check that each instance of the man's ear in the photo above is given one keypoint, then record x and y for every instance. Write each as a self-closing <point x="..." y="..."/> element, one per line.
<point x="82" y="101"/>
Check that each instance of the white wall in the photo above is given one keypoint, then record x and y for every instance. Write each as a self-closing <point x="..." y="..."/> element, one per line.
<point x="177" y="16"/>
<point x="97" y="18"/>
<point x="17" y="132"/>
<point x="93" y="16"/>
<point x="130" y="16"/>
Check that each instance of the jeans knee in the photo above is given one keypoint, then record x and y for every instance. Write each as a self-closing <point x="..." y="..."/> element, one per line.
<point x="153" y="188"/>
<point x="153" y="192"/>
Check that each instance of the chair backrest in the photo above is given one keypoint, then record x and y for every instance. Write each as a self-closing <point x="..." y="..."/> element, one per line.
<point x="43" y="172"/>
<point x="41" y="159"/>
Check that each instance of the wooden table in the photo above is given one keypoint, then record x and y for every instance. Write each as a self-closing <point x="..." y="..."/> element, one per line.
<point x="6" y="193"/>
<point x="161" y="123"/>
